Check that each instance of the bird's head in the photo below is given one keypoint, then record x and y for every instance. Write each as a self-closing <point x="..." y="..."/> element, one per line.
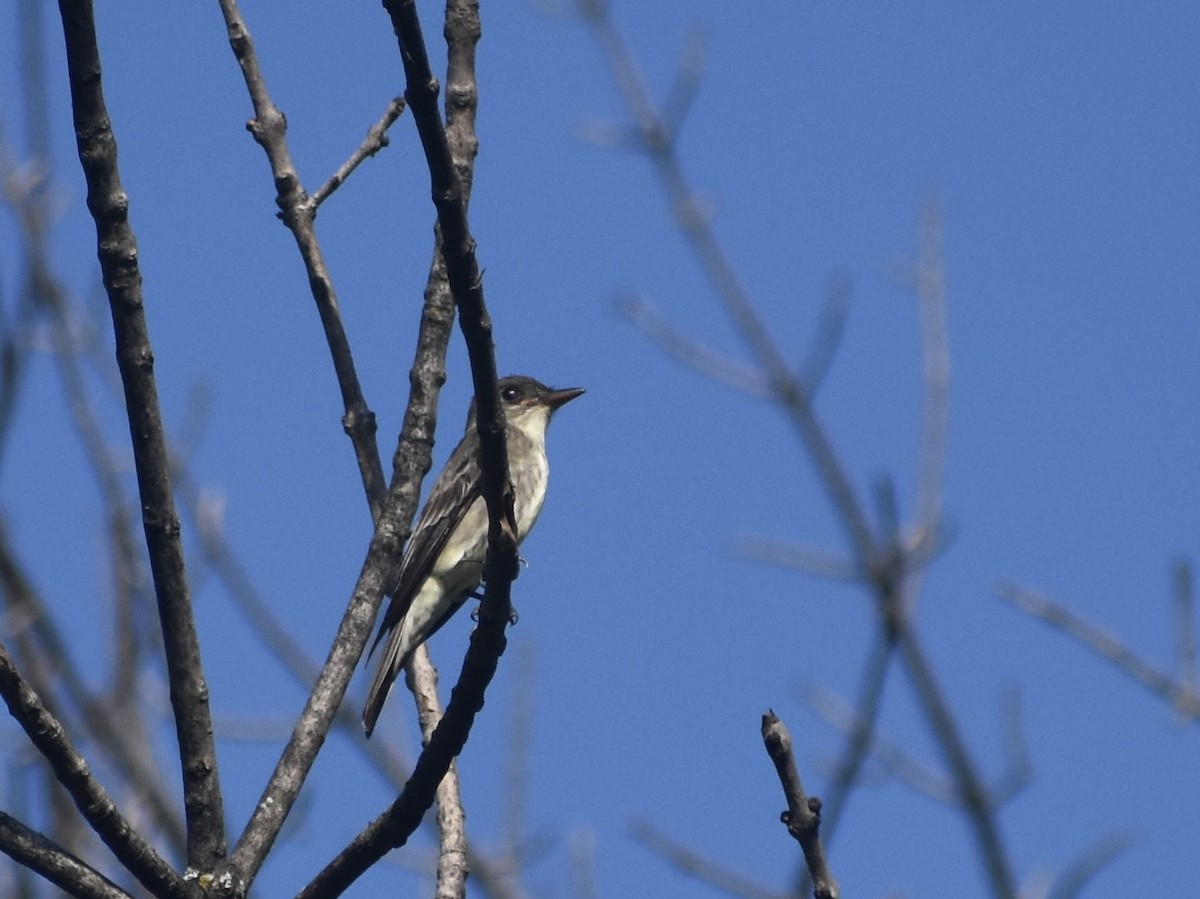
<point x="528" y="403"/>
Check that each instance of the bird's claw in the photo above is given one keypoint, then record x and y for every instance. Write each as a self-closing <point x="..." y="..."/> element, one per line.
<point x="513" y="617"/>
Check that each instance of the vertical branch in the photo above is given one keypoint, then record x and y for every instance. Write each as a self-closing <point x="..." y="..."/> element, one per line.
<point x="803" y="815"/>
<point x="858" y="741"/>
<point x="391" y="508"/>
<point x="1185" y="632"/>
<point x="393" y="828"/>
<point x="462" y="31"/>
<point x="487" y="642"/>
<point x="658" y="142"/>
<point x="269" y="128"/>
<point x="519" y="745"/>
<point x="117" y="245"/>
<point x="935" y="362"/>
<point x="970" y="788"/>
<point x="466" y="283"/>
<point x="882" y="562"/>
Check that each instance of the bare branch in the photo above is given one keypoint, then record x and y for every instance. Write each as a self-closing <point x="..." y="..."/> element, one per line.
<point x="466" y="283"/>
<point x="1018" y="771"/>
<point x="688" y="78"/>
<point x="47" y="735"/>
<point x="375" y="141"/>
<point x="693" y="864"/>
<point x="930" y="283"/>
<point x="891" y="756"/>
<point x="488" y="640"/>
<point x="269" y="128"/>
<point x="61" y="868"/>
<point x="1108" y="647"/>
<point x="582" y="851"/>
<point x="1080" y="873"/>
<point x="867" y="704"/>
<point x="462" y="30"/>
<point x="393" y="828"/>
<point x="132" y="761"/>
<point x="883" y="563"/>
<point x="803" y="815"/>
<point x="827" y="337"/>
<point x="279" y="795"/>
<point x="810" y="559"/>
<point x="451" y="820"/>
<point x="390" y="510"/>
<point x="694" y="355"/>
<point x="117" y="245"/>
<point x="222" y="557"/>
<point x="519" y="749"/>
<point x="971" y="792"/>
<point x="658" y="143"/>
<point x="1185" y="626"/>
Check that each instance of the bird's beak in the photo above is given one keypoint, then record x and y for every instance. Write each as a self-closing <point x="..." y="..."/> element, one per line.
<point x="556" y="398"/>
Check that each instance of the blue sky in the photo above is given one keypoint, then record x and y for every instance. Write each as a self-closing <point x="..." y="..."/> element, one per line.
<point x="1061" y="143"/>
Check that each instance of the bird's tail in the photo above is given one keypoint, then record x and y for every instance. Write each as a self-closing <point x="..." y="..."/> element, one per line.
<point x="381" y="685"/>
<point x="395" y="657"/>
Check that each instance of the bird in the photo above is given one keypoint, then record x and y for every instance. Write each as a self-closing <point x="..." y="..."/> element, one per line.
<point x="442" y="565"/>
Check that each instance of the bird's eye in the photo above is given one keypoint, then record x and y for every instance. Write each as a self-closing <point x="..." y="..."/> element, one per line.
<point x="510" y="394"/>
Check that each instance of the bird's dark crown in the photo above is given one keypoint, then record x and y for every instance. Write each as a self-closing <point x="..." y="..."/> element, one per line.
<point x="516" y="390"/>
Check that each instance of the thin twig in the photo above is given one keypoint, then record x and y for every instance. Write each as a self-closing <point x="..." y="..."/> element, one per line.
<point x="827" y="337"/>
<point x="890" y="755"/>
<point x="810" y="559"/>
<point x="657" y="140"/>
<point x="519" y="754"/>
<point x="971" y="792"/>
<point x="376" y="140"/>
<point x="1185" y="626"/>
<point x="693" y="864"/>
<point x="1108" y="647"/>
<point x="117" y="245"/>
<point x="803" y="815"/>
<point x="269" y="129"/>
<point x="581" y="849"/>
<point x="930" y="283"/>
<point x="1018" y="770"/>
<point x="691" y="353"/>
<point x="1080" y="873"/>
<point x="868" y="701"/>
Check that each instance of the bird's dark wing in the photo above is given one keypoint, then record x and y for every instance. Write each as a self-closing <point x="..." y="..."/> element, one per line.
<point x="455" y="489"/>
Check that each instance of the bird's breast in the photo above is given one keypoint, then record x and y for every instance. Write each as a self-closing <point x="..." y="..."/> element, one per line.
<point x="530" y="474"/>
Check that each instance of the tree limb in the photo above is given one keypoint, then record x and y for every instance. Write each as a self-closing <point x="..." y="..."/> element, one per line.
<point x="109" y="206"/>
<point x="803" y="815"/>
<point x="55" y="864"/>
<point x="93" y="802"/>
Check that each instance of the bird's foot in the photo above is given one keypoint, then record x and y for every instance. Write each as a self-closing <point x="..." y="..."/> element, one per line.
<point x="513" y="617"/>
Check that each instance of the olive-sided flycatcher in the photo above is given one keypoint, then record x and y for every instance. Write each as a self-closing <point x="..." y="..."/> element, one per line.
<point x="443" y="564"/>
